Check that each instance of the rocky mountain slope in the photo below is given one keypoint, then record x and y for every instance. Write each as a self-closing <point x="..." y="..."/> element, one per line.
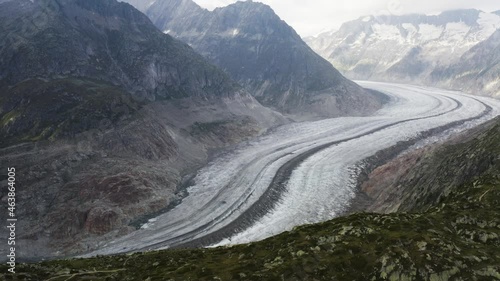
<point x="260" y="51"/>
<point x="449" y="231"/>
<point x="410" y="182"/>
<point x="102" y="115"/>
<point x="413" y="48"/>
<point x="478" y="70"/>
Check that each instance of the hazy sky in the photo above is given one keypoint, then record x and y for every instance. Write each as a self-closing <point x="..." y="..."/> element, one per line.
<point x="314" y="16"/>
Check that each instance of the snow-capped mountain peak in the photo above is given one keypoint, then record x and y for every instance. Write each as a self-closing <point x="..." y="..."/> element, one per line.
<point x="379" y="47"/>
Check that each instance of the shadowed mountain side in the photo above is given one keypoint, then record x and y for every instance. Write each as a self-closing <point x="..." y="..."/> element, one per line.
<point x="265" y="55"/>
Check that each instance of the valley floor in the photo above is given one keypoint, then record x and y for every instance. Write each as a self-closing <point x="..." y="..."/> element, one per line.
<point x="300" y="173"/>
<point x="452" y="235"/>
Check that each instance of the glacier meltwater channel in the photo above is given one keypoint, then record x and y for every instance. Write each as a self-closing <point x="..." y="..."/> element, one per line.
<point x="299" y="173"/>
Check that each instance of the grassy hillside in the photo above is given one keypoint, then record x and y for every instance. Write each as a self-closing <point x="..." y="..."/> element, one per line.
<point x="457" y="239"/>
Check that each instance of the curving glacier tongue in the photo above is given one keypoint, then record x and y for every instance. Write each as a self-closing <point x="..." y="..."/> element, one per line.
<point x="310" y="168"/>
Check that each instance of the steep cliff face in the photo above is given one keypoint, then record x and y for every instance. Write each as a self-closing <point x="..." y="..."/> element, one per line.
<point x="68" y="65"/>
<point x="412" y="48"/>
<point x="259" y="50"/>
<point x="103" y="40"/>
<point x="101" y="113"/>
<point x="452" y="233"/>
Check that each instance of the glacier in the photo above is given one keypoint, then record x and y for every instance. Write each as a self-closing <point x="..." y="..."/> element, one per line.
<point x="225" y="207"/>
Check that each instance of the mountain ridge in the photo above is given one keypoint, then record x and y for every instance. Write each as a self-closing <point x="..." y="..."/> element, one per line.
<point x="100" y="60"/>
<point x="407" y="48"/>
<point x="265" y="55"/>
<point x="477" y="71"/>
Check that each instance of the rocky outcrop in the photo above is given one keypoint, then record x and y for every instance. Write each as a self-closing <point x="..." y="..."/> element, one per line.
<point x="101" y="220"/>
<point x="265" y="55"/>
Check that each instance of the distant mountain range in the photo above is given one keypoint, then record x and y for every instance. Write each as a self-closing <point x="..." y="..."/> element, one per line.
<point x="265" y="55"/>
<point x="478" y="70"/>
<point x="417" y="49"/>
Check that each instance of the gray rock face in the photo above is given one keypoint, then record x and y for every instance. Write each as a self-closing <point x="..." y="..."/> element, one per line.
<point x="104" y="40"/>
<point x="67" y="65"/>
<point x="260" y="51"/>
<point x="408" y="48"/>
<point x="102" y="115"/>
